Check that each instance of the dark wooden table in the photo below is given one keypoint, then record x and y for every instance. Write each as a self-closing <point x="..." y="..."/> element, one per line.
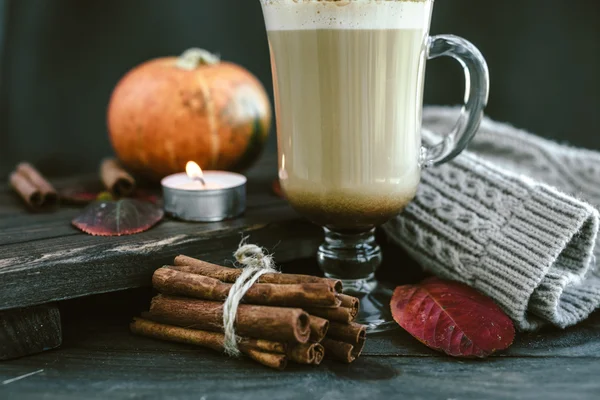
<point x="66" y="290"/>
<point x="100" y="359"/>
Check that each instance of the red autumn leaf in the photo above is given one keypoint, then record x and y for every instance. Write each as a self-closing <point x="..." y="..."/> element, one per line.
<point x="452" y="317"/>
<point x="80" y="195"/>
<point x="116" y="218"/>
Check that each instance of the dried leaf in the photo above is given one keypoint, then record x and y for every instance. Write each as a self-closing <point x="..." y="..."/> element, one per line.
<point x="116" y="218"/>
<point x="79" y="195"/>
<point x="453" y="318"/>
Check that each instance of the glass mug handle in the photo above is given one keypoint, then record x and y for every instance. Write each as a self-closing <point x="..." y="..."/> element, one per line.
<point x="477" y="87"/>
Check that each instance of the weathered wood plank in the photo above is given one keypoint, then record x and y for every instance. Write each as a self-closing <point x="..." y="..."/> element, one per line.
<point x="43" y="258"/>
<point x="100" y="359"/>
<point x="30" y="330"/>
<point x="112" y="363"/>
<point x="104" y="374"/>
<point x="25" y="227"/>
<point x="56" y="269"/>
<point x="17" y="225"/>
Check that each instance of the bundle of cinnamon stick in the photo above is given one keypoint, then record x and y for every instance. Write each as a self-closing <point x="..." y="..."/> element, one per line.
<point x="39" y="194"/>
<point x="115" y="178"/>
<point x="34" y="189"/>
<point x="285" y="317"/>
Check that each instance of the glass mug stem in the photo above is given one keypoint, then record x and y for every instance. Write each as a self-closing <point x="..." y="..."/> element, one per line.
<point x="350" y="257"/>
<point x="353" y="259"/>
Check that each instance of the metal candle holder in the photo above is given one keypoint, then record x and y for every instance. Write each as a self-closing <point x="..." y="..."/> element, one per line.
<point x="221" y="195"/>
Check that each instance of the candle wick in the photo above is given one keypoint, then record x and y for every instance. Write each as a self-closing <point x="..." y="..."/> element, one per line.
<point x="201" y="179"/>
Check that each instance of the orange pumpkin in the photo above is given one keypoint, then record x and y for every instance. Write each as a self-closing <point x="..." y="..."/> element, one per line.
<point x="169" y="111"/>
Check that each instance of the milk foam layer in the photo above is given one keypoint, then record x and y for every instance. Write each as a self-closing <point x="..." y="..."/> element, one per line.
<point x="346" y="14"/>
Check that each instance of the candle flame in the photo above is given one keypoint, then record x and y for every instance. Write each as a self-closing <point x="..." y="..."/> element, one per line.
<point x="194" y="171"/>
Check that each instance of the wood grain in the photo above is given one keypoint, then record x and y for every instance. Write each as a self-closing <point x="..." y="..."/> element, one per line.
<point x="100" y="360"/>
<point x="74" y="375"/>
<point x="20" y="227"/>
<point x="26" y="331"/>
<point x="44" y="271"/>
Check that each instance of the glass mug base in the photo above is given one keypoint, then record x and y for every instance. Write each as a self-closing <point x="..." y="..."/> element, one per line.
<point x="374" y="311"/>
<point x="353" y="259"/>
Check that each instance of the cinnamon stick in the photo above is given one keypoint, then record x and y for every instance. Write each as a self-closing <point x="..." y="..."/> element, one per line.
<point x="271" y="360"/>
<point x="265" y="345"/>
<point x="352" y="333"/>
<point x="115" y="178"/>
<point x="29" y="193"/>
<point x="264" y="322"/>
<point x="340" y="351"/>
<point x="319" y="354"/>
<point x="27" y="170"/>
<point x="168" y="280"/>
<point x="33" y="188"/>
<point x="211" y="340"/>
<point x="302" y="353"/>
<point x="307" y="353"/>
<point x="318" y="328"/>
<point x="340" y="314"/>
<point x="349" y="301"/>
<point x="225" y="274"/>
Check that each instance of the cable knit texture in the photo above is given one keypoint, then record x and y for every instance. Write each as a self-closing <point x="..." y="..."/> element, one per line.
<point x="506" y="218"/>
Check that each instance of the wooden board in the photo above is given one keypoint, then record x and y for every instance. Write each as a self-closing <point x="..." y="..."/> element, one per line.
<point x="43" y="258"/>
<point x="103" y="373"/>
<point x="100" y="359"/>
<point x="30" y="330"/>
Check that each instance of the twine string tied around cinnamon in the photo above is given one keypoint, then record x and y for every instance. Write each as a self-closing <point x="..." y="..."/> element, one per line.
<point x="255" y="262"/>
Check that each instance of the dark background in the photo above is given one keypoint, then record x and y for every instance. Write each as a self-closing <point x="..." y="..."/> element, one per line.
<point x="60" y="60"/>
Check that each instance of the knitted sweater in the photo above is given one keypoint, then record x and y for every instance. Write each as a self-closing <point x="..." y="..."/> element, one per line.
<point x="506" y="218"/>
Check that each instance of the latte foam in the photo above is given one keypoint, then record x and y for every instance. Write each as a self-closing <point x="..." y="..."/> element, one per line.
<point x="346" y="14"/>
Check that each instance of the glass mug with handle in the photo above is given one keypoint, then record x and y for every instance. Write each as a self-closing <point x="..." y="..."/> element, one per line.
<point x="348" y="80"/>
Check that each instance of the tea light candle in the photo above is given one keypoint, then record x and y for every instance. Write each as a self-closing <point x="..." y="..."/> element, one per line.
<point x="197" y="195"/>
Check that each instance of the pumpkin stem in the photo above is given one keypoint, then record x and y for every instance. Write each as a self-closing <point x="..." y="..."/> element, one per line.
<point x="193" y="58"/>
